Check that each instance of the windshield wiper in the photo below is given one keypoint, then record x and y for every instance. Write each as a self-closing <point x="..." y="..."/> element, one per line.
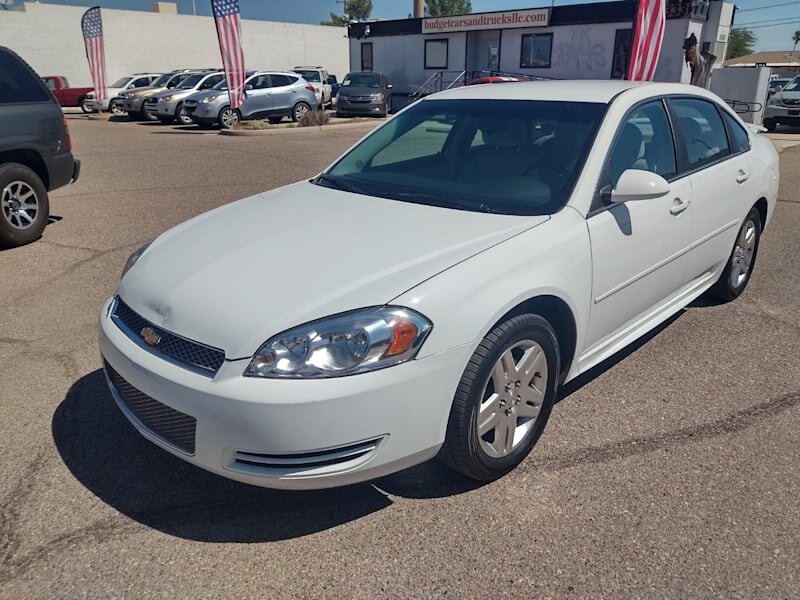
<point x="338" y="182"/>
<point x="458" y="204"/>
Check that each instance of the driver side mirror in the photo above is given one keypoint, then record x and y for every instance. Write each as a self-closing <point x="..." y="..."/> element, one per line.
<point x="635" y="184"/>
<point x="130" y="87"/>
<point x="388" y="86"/>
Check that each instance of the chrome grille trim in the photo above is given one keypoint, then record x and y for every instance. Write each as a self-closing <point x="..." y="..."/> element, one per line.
<point x="186" y="353"/>
<point x="308" y="460"/>
<point x="171" y="426"/>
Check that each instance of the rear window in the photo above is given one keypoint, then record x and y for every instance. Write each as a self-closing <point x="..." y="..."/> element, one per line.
<point x="311" y="76"/>
<point x="18" y="83"/>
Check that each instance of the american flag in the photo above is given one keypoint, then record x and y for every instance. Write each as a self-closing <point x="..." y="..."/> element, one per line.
<point x="226" y="16"/>
<point x="648" y="34"/>
<point x="92" y="26"/>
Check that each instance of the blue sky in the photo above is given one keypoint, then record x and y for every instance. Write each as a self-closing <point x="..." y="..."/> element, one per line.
<point x="313" y="11"/>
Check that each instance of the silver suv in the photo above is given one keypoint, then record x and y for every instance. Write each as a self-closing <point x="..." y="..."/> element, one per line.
<point x="132" y="101"/>
<point x="168" y="105"/>
<point x="268" y="95"/>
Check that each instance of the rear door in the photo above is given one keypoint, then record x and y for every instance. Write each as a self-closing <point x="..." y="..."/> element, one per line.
<point x="639" y="247"/>
<point x="720" y="172"/>
<point x="283" y="90"/>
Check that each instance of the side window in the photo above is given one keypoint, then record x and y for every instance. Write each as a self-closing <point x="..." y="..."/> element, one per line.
<point x="644" y="142"/>
<point x="50" y="84"/>
<point x="704" y="135"/>
<point x="18" y="83"/>
<point x="739" y="138"/>
<point x="281" y="80"/>
<point x="140" y="82"/>
<point x="210" y="82"/>
<point x="260" y="82"/>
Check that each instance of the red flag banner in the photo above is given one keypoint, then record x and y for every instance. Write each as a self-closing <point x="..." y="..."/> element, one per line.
<point x="648" y="33"/>
<point x="226" y="17"/>
<point x="92" y="26"/>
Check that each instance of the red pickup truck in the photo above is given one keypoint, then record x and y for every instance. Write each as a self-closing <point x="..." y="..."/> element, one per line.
<point x="67" y="96"/>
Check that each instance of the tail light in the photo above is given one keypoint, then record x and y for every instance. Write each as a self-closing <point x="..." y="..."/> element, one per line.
<point x="67" y="137"/>
<point x="310" y="88"/>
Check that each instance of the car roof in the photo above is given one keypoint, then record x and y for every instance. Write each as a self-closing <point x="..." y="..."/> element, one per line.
<point x="584" y="90"/>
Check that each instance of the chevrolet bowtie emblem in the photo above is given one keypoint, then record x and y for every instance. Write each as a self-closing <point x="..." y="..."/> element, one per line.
<point x="150" y="336"/>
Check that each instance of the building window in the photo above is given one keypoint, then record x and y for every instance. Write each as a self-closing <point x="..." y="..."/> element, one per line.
<point x="436" y="54"/>
<point x="622" y="54"/>
<point x="366" y="56"/>
<point x="536" y="51"/>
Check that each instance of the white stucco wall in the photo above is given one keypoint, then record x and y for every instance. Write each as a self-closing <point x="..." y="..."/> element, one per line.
<point x="49" y="37"/>
<point x="402" y="57"/>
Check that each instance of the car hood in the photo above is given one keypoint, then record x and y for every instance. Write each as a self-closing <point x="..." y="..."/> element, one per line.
<point x="198" y="96"/>
<point x="237" y="275"/>
<point x="174" y="92"/>
<point x="791" y="95"/>
<point x="145" y="90"/>
<point x="357" y="90"/>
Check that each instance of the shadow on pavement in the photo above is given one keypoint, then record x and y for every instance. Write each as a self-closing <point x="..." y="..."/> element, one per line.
<point x="106" y="454"/>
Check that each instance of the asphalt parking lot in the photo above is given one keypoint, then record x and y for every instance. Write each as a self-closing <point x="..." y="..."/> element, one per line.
<point x="672" y="471"/>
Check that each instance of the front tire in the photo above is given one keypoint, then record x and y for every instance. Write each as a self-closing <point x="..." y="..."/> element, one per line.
<point x="24" y="205"/>
<point x="736" y="275"/>
<point x="182" y="116"/>
<point x="114" y="109"/>
<point x="229" y="118"/>
<point x="504" y="399"/>
<point x="298" y="110"/>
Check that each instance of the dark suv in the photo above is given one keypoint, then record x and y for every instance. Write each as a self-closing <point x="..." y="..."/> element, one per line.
<point x="35" y="151"/>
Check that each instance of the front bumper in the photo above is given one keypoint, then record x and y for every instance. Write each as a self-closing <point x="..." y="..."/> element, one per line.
<point x="98" y="105"/>
<point x="203" y="112"/>
<point x="292" y="434"/>
<point x="783" y="114"/>
<point x="344" y="107"/>
<point x="132" y="105"/>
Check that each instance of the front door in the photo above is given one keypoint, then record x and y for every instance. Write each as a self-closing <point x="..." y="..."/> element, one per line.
<point x="258" y="99"/>
<point x="639" y="247"/>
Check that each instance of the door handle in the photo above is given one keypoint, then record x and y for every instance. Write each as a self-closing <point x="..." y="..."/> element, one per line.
<point x="742" y="176"/>
<point x="678" y="206"/>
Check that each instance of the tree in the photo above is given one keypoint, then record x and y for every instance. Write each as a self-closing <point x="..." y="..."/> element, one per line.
<point x="796" y="40"/>
<point x="740" y="43"/>
<point x="444" y="8"/>
<point x="355" y="10"/>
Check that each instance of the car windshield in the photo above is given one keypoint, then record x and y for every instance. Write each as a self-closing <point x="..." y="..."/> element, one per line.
<point x="519" y="157"/>
<point x="162" y="81"/>
<point x="358" y="80"/>
<point x="311" y="76"/>
<point x="190" y="81"/>
<point x="793" y="85"/>
<point x="120" y="83"/>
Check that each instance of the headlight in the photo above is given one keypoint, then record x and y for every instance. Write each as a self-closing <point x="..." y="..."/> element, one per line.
<point x="166" y="99"/>
<point x="355" y="342"/>
<point x="775" y="101"/>
<point x="208" y="99"/>
<point x="378" y="97"/>
<point x="134" y="257"/>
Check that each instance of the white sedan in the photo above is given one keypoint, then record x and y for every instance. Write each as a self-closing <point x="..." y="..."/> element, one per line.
<point x="430" y="291"/>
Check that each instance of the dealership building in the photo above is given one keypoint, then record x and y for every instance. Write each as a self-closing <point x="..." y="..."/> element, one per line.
<point x="586" y="41"/>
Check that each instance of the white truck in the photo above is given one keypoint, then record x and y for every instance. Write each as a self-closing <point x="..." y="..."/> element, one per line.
<point x="320" y="80"/>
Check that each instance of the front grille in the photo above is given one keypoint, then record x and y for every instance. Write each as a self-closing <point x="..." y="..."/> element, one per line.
<point x="172" y="426"/>
<point x="198" y="357"/>
<point x="309" y="460"/>
<point x="360" y="98"/>
<point x="792" y="102"/>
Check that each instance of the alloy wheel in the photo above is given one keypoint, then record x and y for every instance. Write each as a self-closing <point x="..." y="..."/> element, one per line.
<point x="512" y="398"/>
<point x="743" y="251"/>
<point x="19" y="204"/>
<point x="229" y="118"/>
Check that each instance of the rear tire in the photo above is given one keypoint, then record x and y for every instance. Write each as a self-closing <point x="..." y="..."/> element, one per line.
<point x="24" y="205"/>
<point x="504" y="399"/>
<point x="736" y="274"/>
<point x="298" y="110"/>
<point x="84" y="106"/>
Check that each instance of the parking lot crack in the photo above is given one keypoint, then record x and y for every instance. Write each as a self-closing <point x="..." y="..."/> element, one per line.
<point x="733" y="423"/>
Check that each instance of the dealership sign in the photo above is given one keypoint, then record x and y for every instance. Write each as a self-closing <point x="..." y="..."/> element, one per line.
<point x="538" y="17"/>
